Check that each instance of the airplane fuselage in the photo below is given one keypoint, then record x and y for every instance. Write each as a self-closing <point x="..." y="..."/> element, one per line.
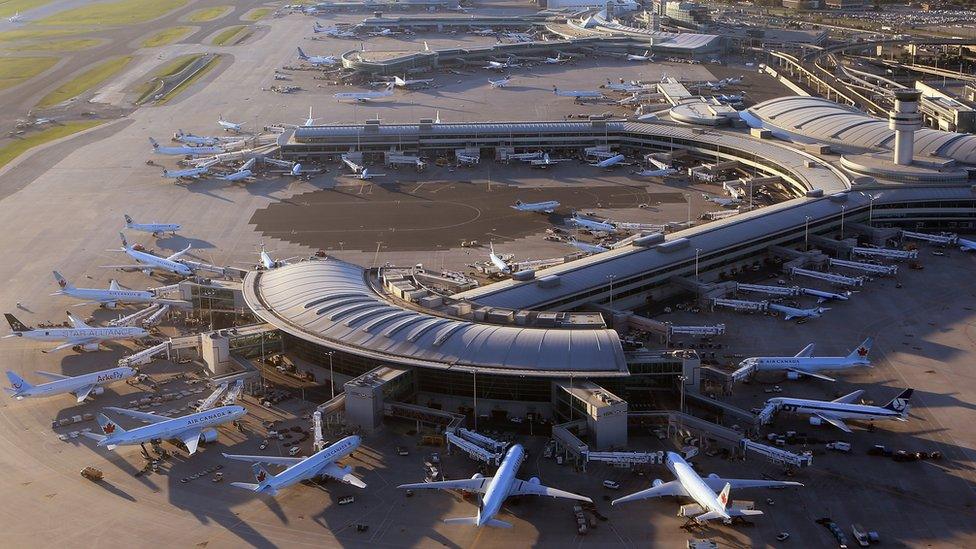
<point x="68" y="334"/>
<point x="863" y="412"/>
<point x="109" y="296"/>
<point x="694" y="485"/>
<point x="71" y="384"/>
<point x="500" y="485"/>
<point x="173" y="428"/>
<point x="151" y="260"/>
<point x="157" y="227"/>
<point x="311" y="466"/>
<point x="807" y="364"/>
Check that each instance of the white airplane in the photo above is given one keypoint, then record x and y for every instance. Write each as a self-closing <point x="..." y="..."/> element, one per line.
<point x="500" y="83"/>
<point x="363" y="97"/>
<point x="242" y="173"/>
<point x="966" y="245"/>
<point x="498" y="262"/>
<point x="414" y="83"/>
<point x="711" y="493"/>
<point x="81" y="386"/>
<point x="269" y="262"/>
<point x="190" y="430"/>
<point x="79" y="334"/>
<point x="198" y="140"/>
<point x="188" y="173"/>
<point x="545" y="161"/>
<point x="724" y="202"/>
<point x="732" y="80"/>
<point x="648" y="56"/>
<point x="317" y="60"/>
<point x="578" y="94"/>
<point x="185" y="149"/>
<point x="792" y="312"/>
<point x="496" y="489"/>
<point x="836" y="411"/>
<point x="584" y="223"/>
<point x="548" y="206"/>
<point x="147" y="262"/>
<point x="228" y="126"/>
<point x="106" y="298"/>
<point x="805" y="364"/>
<point x="556" y="60"/>
<point x="588" y="248"/>
<point x="365" y="175"/>
<point x="501" y="66"/>
<point x="609" y="162"/>
<point x="16" y="18"/>
<point x="298" y="469"/>
<point x="729" y="98"/>
<point x="333" y="31"/>
<point x="823" y="296"/>
<point x="154" y="228"/>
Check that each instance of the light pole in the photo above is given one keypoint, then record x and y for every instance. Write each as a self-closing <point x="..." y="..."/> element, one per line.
<point x="331" y="377"/>
<point x="843" y="210"/>
<point x="697" y="252"/>
<point x="871" y="211"/>
<point x="611" y="277"/>
<point x="806" y="235"/>
<point x="688" y="200"/>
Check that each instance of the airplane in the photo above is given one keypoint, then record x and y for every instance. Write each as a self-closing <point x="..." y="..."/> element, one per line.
<point x="732" y="80"/>
<point x="365" y="175"/>
<point x="498" y="262"/>
<point x="496" y="66"/>
<point x="578" y="94"/>
<point x="363" y="97"/>
<point x="793" y="312"/>
<point x="334" y="32"/>
<point x="704" y="490"/>
<point x="184" y="150"/>
<point x="242" y="173"/>
<point x="496" y="489"/>
<point x="648" y="56"/>
<point x="826" y="296"/>
<point x="147" y="262"/>
<point x="483" y="32"/>
<point x="557" y="60"/>
<point x="629" y="88"/>
<point x="106" y="298"/>
<point x="81" y="386"/>
<point x="548" y="206"/>
<point x="805" y="364"/>
<point x="269" y="262"/>
<point x="79" y="334"/>
<point x="729" y="98"/>
<point x="545" y="161"/>
<point x="592" y="225"/>
<point x="154" y="228"/>
<point x="609" y="162"/>
<point x="317" y="60"/>
<point x="191" y="139"/>
<point x="836" y="411"/>
<point x="966" y="245"/>
<point x="191" y="429"/>
<point x="188" y="173"/>
<point x="228" y="126"/>
<point x="298" y="469"/>
<point x="724" y="202"/>
<point x="500" y="83"/>
<point x="413" y="84"/>
<point x="15" y="18"/>
<point x="588" y="248"/>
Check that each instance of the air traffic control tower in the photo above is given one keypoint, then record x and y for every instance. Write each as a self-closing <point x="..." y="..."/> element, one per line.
<point x="905" y="120"/>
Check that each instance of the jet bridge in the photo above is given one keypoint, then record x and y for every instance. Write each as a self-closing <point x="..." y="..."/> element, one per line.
<point x="740" y="304"/>
<point x="481" y="440"/>
<point x="157" y="317"/>
<point x="132" y="319"/>
<point x="475" y="451"/>
<point x="828" y="277"/>
<point x="771" y="290"/>
<point x="778" y="455"/>
<point x="888" y="270"/>
<point x="944" y="239"/>
<point x="888" y="253"/>
<point x="715" y="330"/>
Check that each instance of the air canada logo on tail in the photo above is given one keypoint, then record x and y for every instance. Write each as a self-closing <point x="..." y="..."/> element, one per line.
<point x="862" y="351"/>
<point x="261" y="476"/>
<point x="109" y="428"/>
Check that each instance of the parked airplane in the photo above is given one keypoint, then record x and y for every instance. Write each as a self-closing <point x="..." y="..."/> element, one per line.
<point x="365" y="175"/>
<point x="805" y="364"/>
<point x="154" y="228"/>
<point x="15" y="18"/>
<point x="827" y="296"/>
<point x="498" y="262"/>
<point x="732" y="80"/>
<point x="500" y="83"/>
<point x="269" y="262"/>
<point x="496" y="489"/>
<point x="578" y="94"/>
<point x="188" y="173"/>
<point x="711" y="493"/>
<point x="585" y="247"/>
<point x="609" y="162"/>
<point x="309" y="121"/>
<point x="548" y="206"/>
<point x="298" y="469"/>
<point x="792" y="312"/>
<point x="729" y="98"/>
<point x="81" y="386"/>
<point x="545" y="161"/>
<point x="500" y="66"/>
<point x="966" y="245"/>
<point x="382" y="32"/>
<point x="333" y="31"/>
<point x="836" y="411"/>
<point x="148" y="262"/>
<point x="79" y="334"/>
<point x="106" y="298"/>
<point x="190" y="430"/>
<point x="191" y="139"/>
<point x="228" y="126"/>
<point x="317" y="60"/>
<point x="557" y="60"/>
<point x="185" y="149"/>
<point x="721" y="201"/>
<point x="414" y="84"/>
<point x="242" y="173"/>
<point x="363" y="97"/>
<point x="648" y="56"/>
<point x="584" y="223"/>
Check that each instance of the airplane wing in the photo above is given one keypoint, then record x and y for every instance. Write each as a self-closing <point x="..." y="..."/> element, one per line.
<point x="807" y="352"/>
<point x="673" y="488"/>
<point x="718" y="484"/>
<point x="468" y="485"/>
<point x="178" y="254"/>
<point x="70" y="343"/>
<point x="77" y="322"/>
<point x="141" y="416"/>
<point x="850" y="397"/>
<point x="341" y="474"/>
<point x="525" y="488"/>
<point x="82" y="392"/>
<point x="811" y="374"/>
<point x="49" y="375"/>
<point x="836" y="422"/>
<point x="191" y="439"/>
<point x="268" y="460"/>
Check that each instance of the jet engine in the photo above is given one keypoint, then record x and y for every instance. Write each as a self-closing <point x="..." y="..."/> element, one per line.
<point x="814" y="420"/>
<point x="713" y="475"/>
<point x="792" y="375"/>
<point x="657" y="482"/>
<point x="477" y="475"/>
<point x="97" y="390"/>
<point x="208" y="435"/>
<point x="534" y="480"/>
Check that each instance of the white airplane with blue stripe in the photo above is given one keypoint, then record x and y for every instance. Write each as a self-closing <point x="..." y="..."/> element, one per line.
<point x="496" y="489"/>
<point x="836" y="411"/>
<point x="805" y="364"/>
<point x="190" y="429"/>
<point x="80" y="386"/>
<point x="148" y="262"/>
<point x="298" y="469"/>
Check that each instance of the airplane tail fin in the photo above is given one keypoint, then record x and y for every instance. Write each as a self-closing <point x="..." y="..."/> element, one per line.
<point x="724" y="496"/>
<point x="17" y="384"/>
<point x="125" y="243"/>
<point x="114" y="285"/>
<point x="128" y="220"/>
<point x="301" y="54"/>
<point x="62" y="282"/>
<point x="15" y="324"/>
<point x="153" y="143"/>
<point x="862" y="350"/>
<point x="261" y="475"/>
<point x="901" y="403"/>
<point x="555" y="90"/>
<point x="108" y="426"/>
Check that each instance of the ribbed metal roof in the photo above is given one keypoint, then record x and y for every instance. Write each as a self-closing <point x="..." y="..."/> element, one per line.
<point x="849" y="127"/>
<point x="330" y="302"/>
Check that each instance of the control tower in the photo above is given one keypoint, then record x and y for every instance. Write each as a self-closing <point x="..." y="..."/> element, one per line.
<point x="904" y="120"/>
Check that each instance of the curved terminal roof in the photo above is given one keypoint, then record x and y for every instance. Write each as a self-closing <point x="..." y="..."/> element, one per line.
<point x="830" y="122"/>
<point x="330" y="302"/>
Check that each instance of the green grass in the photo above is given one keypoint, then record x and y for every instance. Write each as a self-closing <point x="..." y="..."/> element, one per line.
<point x="169" y="69"/>
<point x="166" y="36"/>
<point x="120" y="12"/>
<point x="56" y="45"/>
<point x="19" y="147"/>
<point x="189" y="82"/>
<point x="209" y="14"/>
<point x="85" y="81"/>
<point x="229" y="36"/>
<point x="10" y="7"/>
<point x="38" y="34"/>
<point x="14" y="70"/>
<point x="255" y="15"/>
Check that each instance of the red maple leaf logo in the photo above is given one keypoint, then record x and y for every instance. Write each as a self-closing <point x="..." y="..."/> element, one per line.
<point x="861" y="351"/>
<point x="261" y="476"/>
<point x="62" y="282"/>
<point x="109" y="428"/>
